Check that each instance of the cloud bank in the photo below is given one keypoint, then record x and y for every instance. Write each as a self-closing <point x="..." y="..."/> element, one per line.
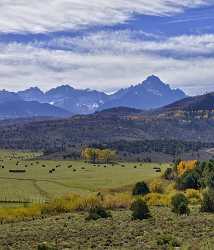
<point x="59" y="15"/>
<point x="108" y="61"/>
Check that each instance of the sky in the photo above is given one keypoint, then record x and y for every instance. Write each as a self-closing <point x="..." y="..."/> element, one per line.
<point x="106" y="44"/>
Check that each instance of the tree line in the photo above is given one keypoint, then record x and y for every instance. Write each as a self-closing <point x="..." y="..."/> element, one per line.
<point x="95" y="155"/>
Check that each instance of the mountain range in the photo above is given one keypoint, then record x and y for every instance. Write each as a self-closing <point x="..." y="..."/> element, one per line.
<point x="190" y="120"/>
<point x="67" y="101"/>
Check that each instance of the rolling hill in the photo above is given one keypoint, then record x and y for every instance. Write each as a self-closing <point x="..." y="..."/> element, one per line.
<point x="176" y="122"/>
<point x="24" y="109"/>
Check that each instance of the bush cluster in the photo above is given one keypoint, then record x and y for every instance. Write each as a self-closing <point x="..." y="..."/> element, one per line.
<point x="201" y="176"/>
<point x="208" y="201"/>
<point x="140" y="188"/>
<point x="98" y="213"/>
<point x="140" y="210"/>
<point x="180" y="204"/>
<point x="46" y="246"/>
<point x="156" y="186"/>
<point x="168" y="242"/>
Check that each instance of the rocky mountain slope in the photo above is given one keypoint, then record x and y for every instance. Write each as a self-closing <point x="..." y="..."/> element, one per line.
<point x="151" y="93"/>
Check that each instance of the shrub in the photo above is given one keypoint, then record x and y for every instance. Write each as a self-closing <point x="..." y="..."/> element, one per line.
<point x="153" y="199"/>
<point x="117" y="201"/>
<point x="179" y="204"/>
<point x="140" y="210"/>
<point x="69" y="203"/>
<point x="45" y="246"/>
<point x="156" y="199"/>
<point x="208" y="201"/>
<point x="140" y="188"/>
<point x="167" y="241"/>
<point x="184" y="166"/>
<point x="193" y="196"/>
<point x="98" y="213"/>
<point x="210" y="180"/>
<point x="11" y="214"/>
<point x="156" y="186"/>
<point x="169" y="174"/>
<point x="189" y="180"/>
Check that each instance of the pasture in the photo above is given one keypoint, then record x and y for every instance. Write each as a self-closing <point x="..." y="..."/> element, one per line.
<point x="36" y="180"/>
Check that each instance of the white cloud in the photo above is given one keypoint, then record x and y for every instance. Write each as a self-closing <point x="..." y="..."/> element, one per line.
<point x="55" y="15"/>
<point x="103" y="60"/>
<point x="125" y="42"/>
<point x="22" y="66"/>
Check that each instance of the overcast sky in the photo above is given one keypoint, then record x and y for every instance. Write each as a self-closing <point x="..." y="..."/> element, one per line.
<point x="106" y="44"/>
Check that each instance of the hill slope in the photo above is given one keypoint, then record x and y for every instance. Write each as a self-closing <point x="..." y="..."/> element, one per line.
<point x="203" y="102"/>
<point x="16" y="109"/>
<point x="175" y="122"/>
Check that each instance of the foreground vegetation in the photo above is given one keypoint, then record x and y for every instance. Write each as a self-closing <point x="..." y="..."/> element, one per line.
<point x="146" y="206"/>
<point x="71" y="231"/>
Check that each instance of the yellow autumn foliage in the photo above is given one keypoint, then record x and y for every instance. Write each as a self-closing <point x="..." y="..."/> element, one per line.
<point x="184" y="166"/>
<point x="156" y="186"/>
<point x="194" y="196"/>
<point x="11" y="214"/>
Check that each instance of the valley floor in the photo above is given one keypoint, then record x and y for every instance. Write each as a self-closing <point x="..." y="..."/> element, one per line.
<point x="71" y="231"/>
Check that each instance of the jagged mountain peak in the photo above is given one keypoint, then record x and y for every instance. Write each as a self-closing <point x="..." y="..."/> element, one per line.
<point x="149" y="94"/>
<point x="32" y="90"/>
<point x="154" y="82"/>
<point x="153" y="78"/>
<point x="32" y="94"/>
<point x="63" y="89"/>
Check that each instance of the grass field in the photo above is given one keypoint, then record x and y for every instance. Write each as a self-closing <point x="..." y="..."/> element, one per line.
<point x="38" y="184"/>
<point x="71" y="231"/>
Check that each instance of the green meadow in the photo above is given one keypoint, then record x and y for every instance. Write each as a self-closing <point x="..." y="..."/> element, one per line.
<point x="45" y="179"/>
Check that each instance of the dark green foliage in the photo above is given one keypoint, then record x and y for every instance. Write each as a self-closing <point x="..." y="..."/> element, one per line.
<point x="171" y="147"/>
<point x="190" y="179"/>
<point x="140" y="188"/>
<point x="98" y="213"/>
<point x="208" y="202"/>
<point x="45" y="246"/>
<point x="167" y="241"/>
<point x="169" y="174"/>
<point x="200" y="177"/>
<point x="140" y="210"/>
<point x="180" y="204"/>
<point x="210" y="181"/>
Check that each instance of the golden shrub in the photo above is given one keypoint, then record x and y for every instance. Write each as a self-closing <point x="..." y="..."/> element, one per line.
<point x="116" y="201"/>
<point x="194" y="196"/>
<point x="156" y="186"/>
<point x="184" y="166"/>
<point x="156" y="199"/>
<point x="11" y="214"/>
<point x="71" y="202"/>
